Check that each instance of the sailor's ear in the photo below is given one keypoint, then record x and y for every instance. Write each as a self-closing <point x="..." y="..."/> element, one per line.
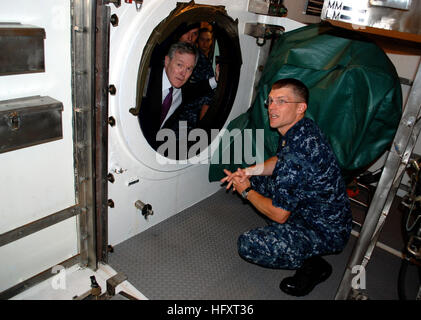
<point x="302" y="107"/>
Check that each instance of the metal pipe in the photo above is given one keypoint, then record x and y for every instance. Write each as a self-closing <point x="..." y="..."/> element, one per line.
<point x="40" y="277"/>
<point x="38" y="225"/>
<point x="383" y="246"/>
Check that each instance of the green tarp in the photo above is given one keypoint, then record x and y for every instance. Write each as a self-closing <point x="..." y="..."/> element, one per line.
<point x="355" y="97"/>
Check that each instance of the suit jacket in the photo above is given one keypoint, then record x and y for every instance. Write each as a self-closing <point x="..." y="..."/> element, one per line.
<point x="150" y="109"/>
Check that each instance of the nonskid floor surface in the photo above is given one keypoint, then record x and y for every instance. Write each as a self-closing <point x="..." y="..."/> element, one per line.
<point x="193" y="256"/>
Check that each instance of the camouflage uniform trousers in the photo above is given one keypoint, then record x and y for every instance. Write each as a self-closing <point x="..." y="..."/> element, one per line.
<point x="280" y="246"/>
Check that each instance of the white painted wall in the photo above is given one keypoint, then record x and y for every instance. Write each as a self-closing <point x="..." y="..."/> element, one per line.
<point x="38" y="181"/>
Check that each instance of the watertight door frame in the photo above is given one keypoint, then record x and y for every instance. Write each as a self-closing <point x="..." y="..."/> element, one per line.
<point x="90" y="60"/>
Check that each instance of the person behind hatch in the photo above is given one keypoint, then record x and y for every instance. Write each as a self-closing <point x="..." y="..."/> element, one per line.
<point x="204" y="43"/>
<point x="168" y="89"/>
<point x="189" y="32"/>
<point x="195" y="110"/>
<point x="301" y="190"/>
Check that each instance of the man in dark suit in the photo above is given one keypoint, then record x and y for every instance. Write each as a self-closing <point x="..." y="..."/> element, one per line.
<point x="168" y="88"/>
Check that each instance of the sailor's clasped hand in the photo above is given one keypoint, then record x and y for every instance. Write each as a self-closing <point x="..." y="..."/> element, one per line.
<point x="238" y="180"/>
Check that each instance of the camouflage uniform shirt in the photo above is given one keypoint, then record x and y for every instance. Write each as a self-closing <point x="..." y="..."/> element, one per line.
<point x="307" y="182"/>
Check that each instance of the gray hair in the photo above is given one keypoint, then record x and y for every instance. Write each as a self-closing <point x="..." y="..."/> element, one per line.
<point x="183" y="47"/>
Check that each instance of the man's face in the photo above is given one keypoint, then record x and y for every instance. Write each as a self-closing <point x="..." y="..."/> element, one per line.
<point x="285" y="110"/>
<point x="190" y="36"/>
<point x="205" y="41"/>
<point x="179" y="68"/>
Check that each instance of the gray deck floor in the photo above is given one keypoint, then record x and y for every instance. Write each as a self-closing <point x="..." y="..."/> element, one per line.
<point x="193" y="255"/>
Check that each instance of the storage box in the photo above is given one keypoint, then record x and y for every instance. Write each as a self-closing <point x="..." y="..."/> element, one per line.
<point x="29" y="121"/>
<point x="22" y="49"/>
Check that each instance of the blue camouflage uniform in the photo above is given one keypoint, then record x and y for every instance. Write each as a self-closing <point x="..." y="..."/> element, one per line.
<point x="307" y="182"/>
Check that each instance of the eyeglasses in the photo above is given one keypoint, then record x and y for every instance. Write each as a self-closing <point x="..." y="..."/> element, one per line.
<point x="279" y="102"/>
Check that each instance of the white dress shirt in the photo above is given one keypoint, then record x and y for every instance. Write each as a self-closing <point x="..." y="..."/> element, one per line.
<point x="176" y="96"/>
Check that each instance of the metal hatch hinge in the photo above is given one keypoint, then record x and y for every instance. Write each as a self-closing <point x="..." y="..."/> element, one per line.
<point x="262" y="32"/>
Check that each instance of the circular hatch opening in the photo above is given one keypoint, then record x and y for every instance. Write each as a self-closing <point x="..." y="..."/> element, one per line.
<point x="192" y="125"/>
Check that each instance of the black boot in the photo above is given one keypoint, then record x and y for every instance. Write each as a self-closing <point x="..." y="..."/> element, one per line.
<point x="313" y="271"/>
